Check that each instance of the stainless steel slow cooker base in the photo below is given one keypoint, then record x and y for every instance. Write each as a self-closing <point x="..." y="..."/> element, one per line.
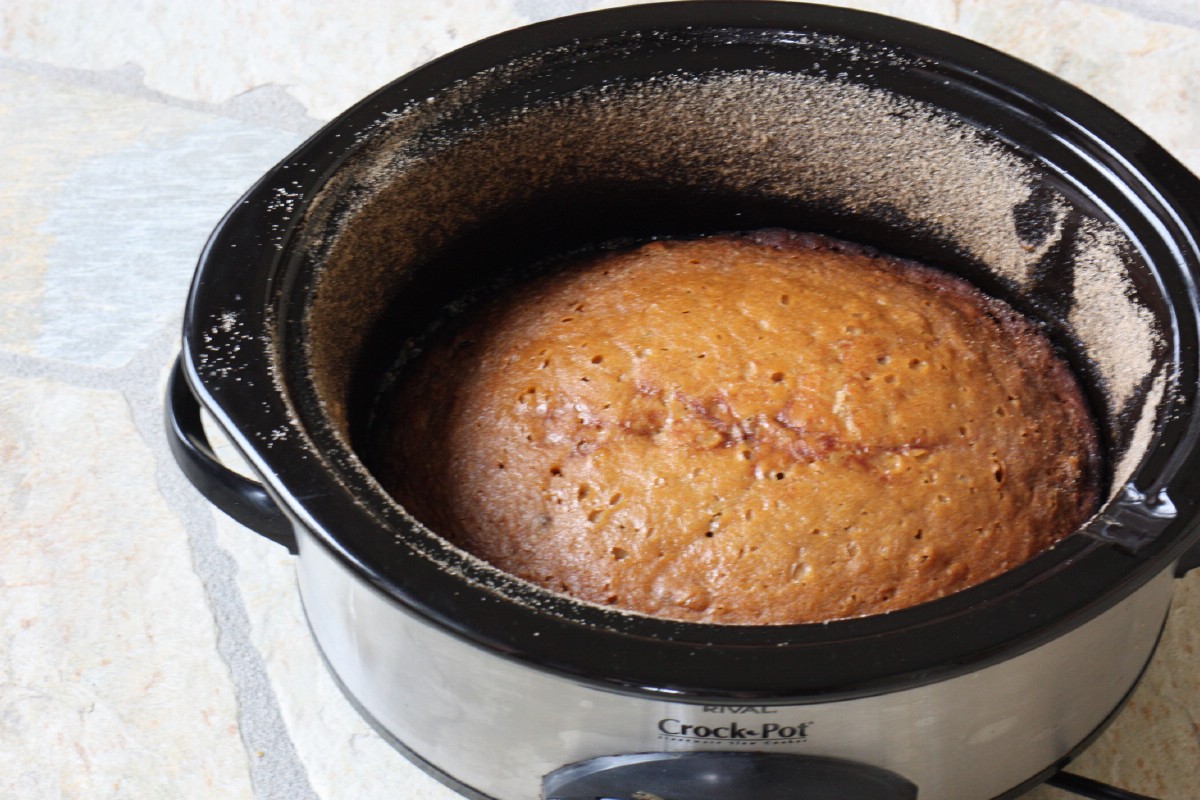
<point x="1053" y="774"/>
<point x="994" y="728"/>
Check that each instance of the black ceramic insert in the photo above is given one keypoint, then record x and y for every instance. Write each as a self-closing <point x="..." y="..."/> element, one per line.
<point x="248" y="319"/>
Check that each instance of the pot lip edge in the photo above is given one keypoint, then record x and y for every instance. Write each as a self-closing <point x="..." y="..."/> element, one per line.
<point x="279" y="489"/>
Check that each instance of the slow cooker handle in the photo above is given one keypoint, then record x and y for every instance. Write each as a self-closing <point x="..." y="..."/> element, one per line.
<point x="241" y="498"/>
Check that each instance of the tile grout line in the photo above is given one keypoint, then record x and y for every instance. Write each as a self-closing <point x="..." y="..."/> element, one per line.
<point x="268" y="105"/>
<point x="276" y="771"/>
<point x="271" y="759"/>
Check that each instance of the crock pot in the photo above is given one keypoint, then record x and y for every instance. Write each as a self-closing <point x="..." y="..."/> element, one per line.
<point x="678" y="119"/>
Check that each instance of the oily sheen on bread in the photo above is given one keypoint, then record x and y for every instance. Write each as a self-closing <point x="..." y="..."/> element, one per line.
<point x="759" y="428"/>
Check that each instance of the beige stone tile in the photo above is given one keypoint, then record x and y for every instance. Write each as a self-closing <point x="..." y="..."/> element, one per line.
<point x="107" y="201"/>
<point x="110" y="685"/>
<point x="49" y="130"/>
<point x="326" y="55"/>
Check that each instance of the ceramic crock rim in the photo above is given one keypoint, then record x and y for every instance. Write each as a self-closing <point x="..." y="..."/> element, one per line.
<point x="238" y="275"/>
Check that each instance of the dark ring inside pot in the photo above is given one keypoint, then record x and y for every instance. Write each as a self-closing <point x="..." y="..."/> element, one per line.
<point x="714" y="129"/>
<point x="692" y="118"/>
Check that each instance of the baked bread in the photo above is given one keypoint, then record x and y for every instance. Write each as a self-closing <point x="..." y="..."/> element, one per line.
<point x="750" y="429"/>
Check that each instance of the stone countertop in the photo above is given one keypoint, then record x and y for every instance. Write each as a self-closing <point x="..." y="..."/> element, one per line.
<point x="150" y="647"/>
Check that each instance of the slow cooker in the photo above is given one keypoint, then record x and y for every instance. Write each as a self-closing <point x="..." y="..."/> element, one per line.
<point x="669" y="120"/>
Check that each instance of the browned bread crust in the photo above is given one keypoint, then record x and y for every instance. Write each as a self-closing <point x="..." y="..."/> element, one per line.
<point x="752" y="429"/>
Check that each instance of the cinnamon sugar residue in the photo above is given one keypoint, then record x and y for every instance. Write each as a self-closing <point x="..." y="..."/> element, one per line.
<point x="1118" y="334"/>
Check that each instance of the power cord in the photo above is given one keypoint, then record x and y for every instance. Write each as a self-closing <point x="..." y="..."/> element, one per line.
<point x="1086" y="787"/>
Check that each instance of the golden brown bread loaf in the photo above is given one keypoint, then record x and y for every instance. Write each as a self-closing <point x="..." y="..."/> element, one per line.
<point x="752" y="429"/>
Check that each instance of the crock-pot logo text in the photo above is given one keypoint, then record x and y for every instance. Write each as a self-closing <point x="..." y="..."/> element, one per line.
<point x="734" y="731"/>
